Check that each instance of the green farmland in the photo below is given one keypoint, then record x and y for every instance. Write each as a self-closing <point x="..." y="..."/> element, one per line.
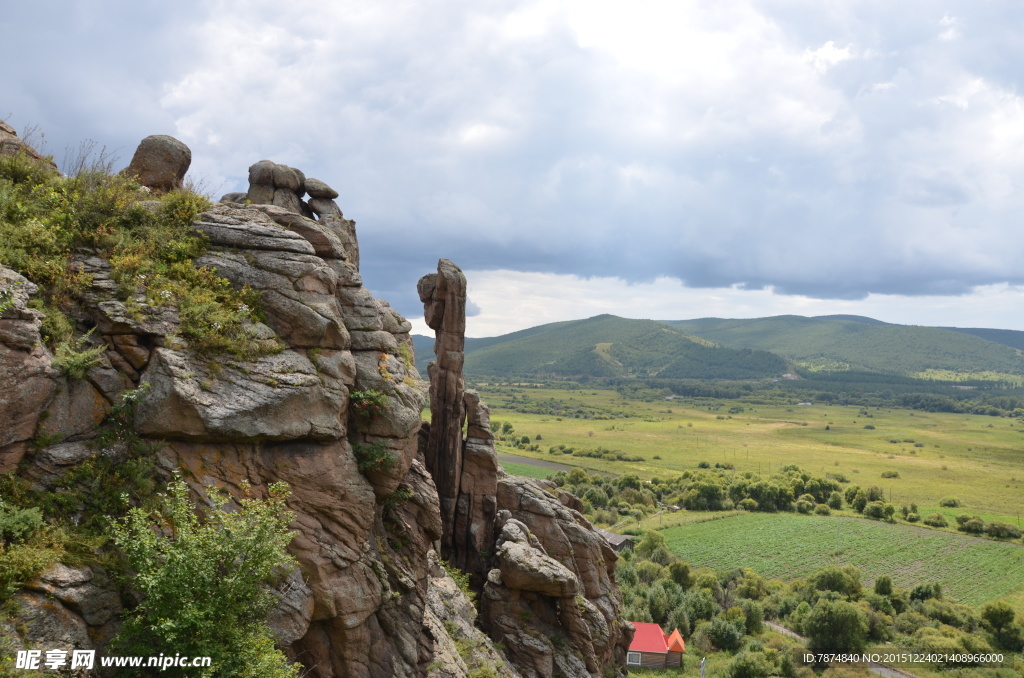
<point x="977" y="459"/>
<point x="789" y="546"/>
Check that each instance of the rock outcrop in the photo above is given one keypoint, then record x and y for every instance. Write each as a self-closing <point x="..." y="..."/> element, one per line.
<point x="369" y="598"/>
<point x="546" y="577"/>
<point x="10" y="144"/>
<point x="283" y="187"/>
<point x="160" y="163"/>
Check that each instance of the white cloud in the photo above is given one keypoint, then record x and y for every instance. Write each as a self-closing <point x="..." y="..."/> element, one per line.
<point x="826" y="149"/>
<point x="507" y="301"/>
<point x="827" y="56"/>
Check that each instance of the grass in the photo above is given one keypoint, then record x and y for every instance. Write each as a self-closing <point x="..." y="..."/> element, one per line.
<point x="526" y="470"/>
<point x="46" y="218"/>
<point x="972" y="571"/>
<point x="979" y="459"/>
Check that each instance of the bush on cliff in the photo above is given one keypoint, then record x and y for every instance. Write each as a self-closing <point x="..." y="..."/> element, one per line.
<point x="203" y="583"/>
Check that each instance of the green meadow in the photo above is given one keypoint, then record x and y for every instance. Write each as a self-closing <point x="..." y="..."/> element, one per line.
<point x="975" y="458"/>
<point x="788" y="546"/>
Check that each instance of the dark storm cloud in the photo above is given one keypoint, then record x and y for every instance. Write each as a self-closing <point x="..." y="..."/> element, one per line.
<point x="831" y="151"/>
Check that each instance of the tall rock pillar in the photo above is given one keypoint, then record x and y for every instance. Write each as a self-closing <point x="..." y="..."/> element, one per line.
<point x="444" y="307"/>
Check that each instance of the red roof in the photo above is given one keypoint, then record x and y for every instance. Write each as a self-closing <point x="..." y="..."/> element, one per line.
<point x="650" y="638"/>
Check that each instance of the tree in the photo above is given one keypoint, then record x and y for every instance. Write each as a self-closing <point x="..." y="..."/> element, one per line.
<point x="835" y="626"/>
<point x="203" y="584"/>
<point x="998" y="614"/>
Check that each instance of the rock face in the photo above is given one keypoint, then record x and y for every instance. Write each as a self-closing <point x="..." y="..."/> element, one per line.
<point x="369" y="599"/>
<point x="547" y="578"/>
<point x="160" y="163"/>
<point x="284" y="187"/>
<point x="10" y="144"/>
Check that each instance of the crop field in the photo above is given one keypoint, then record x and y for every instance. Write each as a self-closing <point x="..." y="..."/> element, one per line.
<point x="788" y="546"/>
<point x="977" y="459"/>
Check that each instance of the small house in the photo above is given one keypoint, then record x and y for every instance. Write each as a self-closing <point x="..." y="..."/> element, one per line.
<point x="652" y="648"/>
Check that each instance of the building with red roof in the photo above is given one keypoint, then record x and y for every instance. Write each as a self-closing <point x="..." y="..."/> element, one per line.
<point x="652" y="648"/>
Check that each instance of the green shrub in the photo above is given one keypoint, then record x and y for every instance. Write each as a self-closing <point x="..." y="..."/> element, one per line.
<point x="18" y="524"/>
<point x="1001" y="530"/>
<point x="936" y="520"/>
<point x="28" y="547"/>
<point x="970" y="524"/>
<point x="75" y="357"/>
<point x="368" y="404"/>
<point x="724" y="634"/>
<point x="373" y="457"/>
<point x="950" y="502"/>
<point x="203" y="584"/>
<point x="835" y="626"/>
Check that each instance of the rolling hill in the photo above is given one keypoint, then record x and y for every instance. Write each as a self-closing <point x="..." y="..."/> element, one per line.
<point x="609" y="346"/>
<point x="716" y="348"/>
<point x="841" y="343"/>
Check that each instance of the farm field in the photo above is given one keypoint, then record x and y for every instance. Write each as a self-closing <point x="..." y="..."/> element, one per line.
<point x="788" y="546"/>
<point x="977" y="459"/>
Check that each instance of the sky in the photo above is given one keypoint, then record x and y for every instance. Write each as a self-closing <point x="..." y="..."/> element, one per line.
<point x="666" y="159"/>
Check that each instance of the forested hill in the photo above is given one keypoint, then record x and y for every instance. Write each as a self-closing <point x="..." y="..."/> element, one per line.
<point x="716" y="348"/>
<point x="838" y="343"/>
<point x="609" y="346"/>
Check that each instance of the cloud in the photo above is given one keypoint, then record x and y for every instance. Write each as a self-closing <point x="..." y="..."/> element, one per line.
<point x="512" y="300"/>
<point x="835" y="152"/>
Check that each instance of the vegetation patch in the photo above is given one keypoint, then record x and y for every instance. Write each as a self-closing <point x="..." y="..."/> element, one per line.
<point x="46" y="219"/>
<point x="971" y="570"/>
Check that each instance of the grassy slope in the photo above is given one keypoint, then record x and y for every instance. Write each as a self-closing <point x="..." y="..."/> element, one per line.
<point x="844" y="342"/>
<point x="608" y="346"/>
<point x="789" y="546"/>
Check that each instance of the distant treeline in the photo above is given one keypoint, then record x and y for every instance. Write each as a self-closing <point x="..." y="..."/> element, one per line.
<point x="846" y="388"/>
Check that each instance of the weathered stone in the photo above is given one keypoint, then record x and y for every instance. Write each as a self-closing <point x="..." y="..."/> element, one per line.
<point x="324" y="242"/>
<point x="50" y="463"/>
<point x="297" y="294"/>
<point x="444" y="307"/>
<point x="29" y="379"/>
<point x="318" y="189"/>
<point x="290" y="618"/>
<point x="277" y="397"/>
<point x="96" y="600"/>
<point x="286" y="198"/>
<point x="285" y="177"/>
<point x="262" y="173"/>
<point x="255" y="237"/>
<point x="260" y="194"/>
<point x="374" y="341"/>
<point x="47" y="623"/>
<point x="527" y="569"/>
<point x="237" y="198"/>
<point x="448" y="620"/>
<point x="160" y="163"/>
<point x="10" y="144"/>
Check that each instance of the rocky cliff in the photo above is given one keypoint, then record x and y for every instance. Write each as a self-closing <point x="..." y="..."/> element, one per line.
<point x="375" y="497"/>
